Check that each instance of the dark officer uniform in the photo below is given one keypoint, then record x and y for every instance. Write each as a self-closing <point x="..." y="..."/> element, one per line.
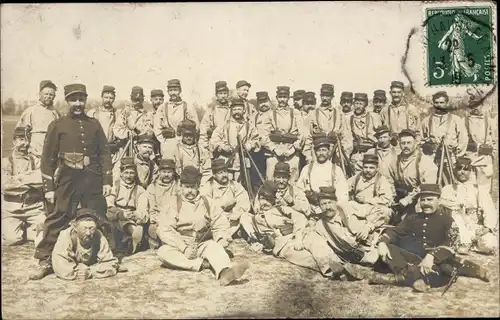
<point x="75" y="163"/>
<point x="419" y="234"/>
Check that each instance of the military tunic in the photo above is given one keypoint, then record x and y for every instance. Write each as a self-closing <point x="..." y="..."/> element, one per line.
<point x="472" y="208"/>
<point x="38" y="117"/>
<point x="76" y="147"/>
<point x="190" y="155"/>
<point x="132" y="119"/>
<point x="299" y="199"/>
<point x="170" y="115"/>
<point x="69" y="256"/>
<point x="327" y="120"/>
<point x="132" y="200"/>
<point x="448" y="126"/>
<point x="403" y="116"/>
<point x="176" y="230"/>
<point x="386" y="156"/>
<point x="216" y="115"/>
<point x="362" y="128"/>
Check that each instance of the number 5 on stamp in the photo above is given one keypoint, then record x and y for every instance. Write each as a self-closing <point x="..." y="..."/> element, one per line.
<point x="459" y="46"/>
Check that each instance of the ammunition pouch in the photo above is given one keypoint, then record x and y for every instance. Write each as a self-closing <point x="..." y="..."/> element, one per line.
<point x="394" y="139"/>
<point x="429" y="148"/>
<point x="312" y="197"/>
<point x="471" y="145"/>
<point x="280" y="137"/>
<point x="169" y="132"/>
<point x="362" y="146"/>
<point x="114" y="146"/>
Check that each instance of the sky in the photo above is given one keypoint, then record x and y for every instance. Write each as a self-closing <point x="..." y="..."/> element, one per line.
<point x="357" y="46"/>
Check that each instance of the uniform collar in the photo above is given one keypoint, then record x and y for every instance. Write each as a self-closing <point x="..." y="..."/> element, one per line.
<point x="81" y="116"/>
<point x="128" y="186"/>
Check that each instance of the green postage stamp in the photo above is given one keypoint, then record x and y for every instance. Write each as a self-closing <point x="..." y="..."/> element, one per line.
<point x="459" y="46"/>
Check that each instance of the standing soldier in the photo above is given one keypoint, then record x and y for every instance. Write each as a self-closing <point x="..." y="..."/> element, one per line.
<point x="346" y="102"/>
<point x="282" y="135"/>
<point x="76" y="169"/>
<point x="22" y="202"/>
<point x="157" y="100"/>
<point x="242" y="90"/>
<point x="480" y="125"/>
<point x="329" y="120"/>
<point x="106" y="115"/>
<point x="298" y="96"/>
<point x="170" y="115"/>
<point x="362" y="125"/>
<point x="308" y="104"/>
<point x="443" y="127"/>
<point x="38" y="117"/>
<point x="399" y="114"/>
<point x="409" y="171"/>
<point x="227" y="194"/>
<point x="224" y="141"/>
<point x="260" y="155"/>
<point x="386" y="153"/>
<point x="159" y="193"/>
<point x="187" y="152"/>
<point x="216" y="113"/>
<point x="379" y="100"/>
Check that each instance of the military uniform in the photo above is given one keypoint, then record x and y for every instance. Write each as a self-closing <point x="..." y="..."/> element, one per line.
<point x="189" y="155"/>
<point x="232" y="197"/>
<point x="249" y="107"/>
<point x="169" y="117"/>
<point x="379" y="101"/>
<point x="472" y="209"/>
<point x="386" y="156"/>
<point x="216" y="115"/>
<point x="38" y="118"/>
<point x="420" y="234"/>
<point x="133" y="120"/>
<point x="23" y="213"/>
<point x="370" y="199"/>
<point x="158" y="195"/>
<point x="402" y="116"/>
<point x="76" y="147"/>
<point x="291" y="195"/>
<point x="227" y="134"/>
<point x="329" y="120"/>
<point x="70" y="256"/>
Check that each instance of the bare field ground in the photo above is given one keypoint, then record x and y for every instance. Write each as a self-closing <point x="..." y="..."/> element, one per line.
<point x="270" y="288"/>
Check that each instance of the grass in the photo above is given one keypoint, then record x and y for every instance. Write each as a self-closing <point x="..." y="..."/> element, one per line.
<point x="270" y="288"/>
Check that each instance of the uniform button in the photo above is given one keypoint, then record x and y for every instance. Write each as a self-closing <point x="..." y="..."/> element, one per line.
<point x="423" y="237"/>
<point x="424" y="230"/>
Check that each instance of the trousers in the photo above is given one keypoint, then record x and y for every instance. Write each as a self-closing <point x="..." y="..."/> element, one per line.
<point x="209" y="250"/>
<point x="16" y="229"/>
<point x="75" y="187"/>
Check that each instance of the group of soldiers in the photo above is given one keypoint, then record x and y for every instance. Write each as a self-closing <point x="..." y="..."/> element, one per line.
<point x="353" y="192"/>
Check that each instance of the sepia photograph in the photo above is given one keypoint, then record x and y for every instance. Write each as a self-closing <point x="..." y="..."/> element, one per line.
<point x="218" y="160"/>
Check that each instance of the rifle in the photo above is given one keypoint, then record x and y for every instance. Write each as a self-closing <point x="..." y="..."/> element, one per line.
<point x="246" y="174"/>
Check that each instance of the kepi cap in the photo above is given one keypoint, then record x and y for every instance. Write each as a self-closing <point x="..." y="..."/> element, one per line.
<point x="74" y="88"/>
<point x="370" y="158"/>
<point x="327" y="193"/>
<point x="47" y="83"/>
<point x="127" y="163"/>
<point x="157" y="93"/>
<point x="242" y="83"/>
<point x="221" y="86"/>
<point x="219" y="164"/>
<point x="397" y="84"/>
<point x="327" y="89"/>
<point x="361" y="96"/>
<point x="282" y="168"/>
<point x="190" y="175"/>
<point x="262" y="96"/>
<point x="429" y="188"/>
<point x="381" y="130"/>
<point x="174" y="83"/>
<point x="283" y="90"/>
<point x="107" y="88"/>
<point x="268" y="190"/>
<point x="407" y="133"/>
<point x="298" y="94"/>
<point x="166" y="164"/>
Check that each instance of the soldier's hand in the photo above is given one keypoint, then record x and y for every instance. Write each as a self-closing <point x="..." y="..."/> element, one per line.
<point x="106" y="190"/>
<point x="49" y="196"/>
<point x="191" y="252"/>
<point x="363" y="233"/>
<point x="426" y="265"/>
<point x="383" y="252"/>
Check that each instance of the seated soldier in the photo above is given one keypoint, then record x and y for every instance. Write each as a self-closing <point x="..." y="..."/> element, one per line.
<point x="158" y="194"/>
<point x="22" y="198"/>
<point x="127" y="205"/>
<point x="385" y="152"/>
<point x="184" y="226"/>
<point x="187" y="152"/>
<point x="227" y="194"/>
<point x="284" y="232"/>
<point x="371" y="196"/>
<point x="82" y="251"/>
<point x="288" y="194"/>
<point x="473" y="211"/>
<point x="322" y="173"/>
<point x="418" y="250"/>
<point x="144" y="160"/>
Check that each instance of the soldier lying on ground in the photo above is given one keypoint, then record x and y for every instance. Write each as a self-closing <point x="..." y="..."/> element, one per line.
<point x="23" y="213"/>
<point x="229" y="195"/>
<point x="127" y="206"/>
<point x="82" y="252"/>
<point x="473" y="211"/>
<point x="418" y="249"/>
<point x="184" y="229"/>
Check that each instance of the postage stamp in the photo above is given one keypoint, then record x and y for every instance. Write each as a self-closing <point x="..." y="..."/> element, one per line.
<point x="459" y="46"/>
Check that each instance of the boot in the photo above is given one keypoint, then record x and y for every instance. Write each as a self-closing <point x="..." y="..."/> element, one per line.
<point x="205" y="265"/>
<point x="390" y="279"/>
<point x="337" y="270"/>
<point x="230" y="274"/>
<point x="356" y="271"/>
<point x="420" y="286"/>
<point x="121" y="268"/>
<point x="43" y="269"/>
